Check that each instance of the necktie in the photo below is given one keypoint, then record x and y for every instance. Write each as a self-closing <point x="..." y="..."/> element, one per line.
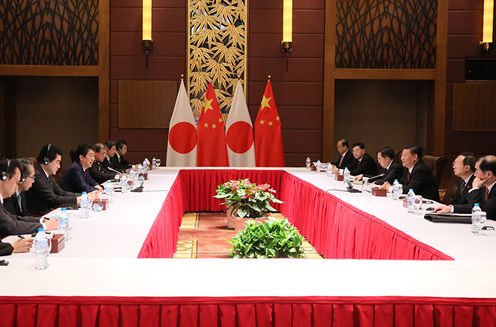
<point x="341" y="161"/>
<point x="486" y="194"/>
<point x="408" y="176"/>
<point x="19" y="202"/>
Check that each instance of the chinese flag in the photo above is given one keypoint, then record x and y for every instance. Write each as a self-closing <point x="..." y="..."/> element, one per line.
<point x="211" y="135"/>
<point x="269" y="151"/>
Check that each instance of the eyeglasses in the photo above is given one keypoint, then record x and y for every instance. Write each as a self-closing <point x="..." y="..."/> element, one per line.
<point x="32" y="178"/>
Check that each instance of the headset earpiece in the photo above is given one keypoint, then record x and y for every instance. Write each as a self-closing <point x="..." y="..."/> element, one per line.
<point x="46" y="160"/>
<point x="4" y="175"/>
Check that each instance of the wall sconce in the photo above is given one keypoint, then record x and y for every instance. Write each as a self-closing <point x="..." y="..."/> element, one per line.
<point x="146" y="39"/>
<point x="287" y="27"/>
<point x="487" y="25"/>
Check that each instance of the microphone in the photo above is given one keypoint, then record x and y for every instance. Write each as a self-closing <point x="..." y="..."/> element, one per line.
<point x="113" y="170"/>
<point x="374" y="178"/>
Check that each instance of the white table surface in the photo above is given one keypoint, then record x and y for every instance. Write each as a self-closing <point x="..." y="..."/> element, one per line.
<point x="100" y="259"/>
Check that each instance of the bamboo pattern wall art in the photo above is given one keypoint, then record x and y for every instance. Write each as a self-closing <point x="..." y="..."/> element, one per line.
<point x="217" y="45"/>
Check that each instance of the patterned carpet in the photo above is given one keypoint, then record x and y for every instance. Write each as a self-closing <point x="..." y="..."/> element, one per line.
<point x="204" y="235"/>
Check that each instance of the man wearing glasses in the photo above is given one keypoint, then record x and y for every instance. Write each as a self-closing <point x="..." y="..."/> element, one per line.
<point x="16" y="204"/>
<point x="11" y="224"/>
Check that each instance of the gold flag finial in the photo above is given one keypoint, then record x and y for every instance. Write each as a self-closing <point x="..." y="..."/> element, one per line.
<point x="269" y="77"/>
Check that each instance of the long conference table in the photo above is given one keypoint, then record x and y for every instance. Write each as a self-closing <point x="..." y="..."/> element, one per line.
<point x="116" y="268"/>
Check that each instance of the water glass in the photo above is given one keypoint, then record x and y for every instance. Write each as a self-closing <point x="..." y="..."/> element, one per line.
<point x="365" y="181"/>
<point x="417" y="204"/>
<point x="158" y="162"/>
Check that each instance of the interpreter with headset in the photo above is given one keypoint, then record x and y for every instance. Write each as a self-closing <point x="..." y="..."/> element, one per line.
<point x="8" y="182"/>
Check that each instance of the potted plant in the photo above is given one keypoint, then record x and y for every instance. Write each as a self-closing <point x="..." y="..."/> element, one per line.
<point x="271" y="239"/>
<point x="244" y="199"/>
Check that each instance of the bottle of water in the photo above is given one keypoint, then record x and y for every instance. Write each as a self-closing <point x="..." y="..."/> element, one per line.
<point x="109" y="191"/>
<point x="329" y="170"/>
<point x="347" y="174"/>
<point x="124" y="184"/>
<point x="41" y="250"/>
<point x="478" y="219"/>
<point x="140" y="169"/>
<point x="410" y="198"/>
<point x="308" y="163"/>
<point x="397" y="190"/>
<point x="85" y="205"/>
<point x="64" y="223"/>
<point x="154" y="163"/>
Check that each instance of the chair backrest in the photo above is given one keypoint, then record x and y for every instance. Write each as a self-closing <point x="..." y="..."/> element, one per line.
<point x="437" y="165"/>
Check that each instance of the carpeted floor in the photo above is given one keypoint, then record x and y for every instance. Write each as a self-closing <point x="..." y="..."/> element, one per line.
<point x="204" y="235"/>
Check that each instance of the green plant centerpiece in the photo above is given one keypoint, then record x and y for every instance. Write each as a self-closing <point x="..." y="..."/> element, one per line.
<point x="245" y="199"/>
<point x="271" y="239"/>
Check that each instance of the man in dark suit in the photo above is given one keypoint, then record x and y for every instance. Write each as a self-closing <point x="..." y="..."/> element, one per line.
<point x="16" y="204"/>
<point x="362" y="164"/>
<point x="390" y="169"/>
<point x="78" y="179"/>
<point x="11" y="224"/>
<point x="345" y="156"/>
<point x="119" y="159"/>
<point x="46" y="194"/>
<point x="416" y="174"/>
<point x="99" y="170"/>
<point x="483" y="190"/>
<point x="109" y="160"/>
<point x="464" y="168"/>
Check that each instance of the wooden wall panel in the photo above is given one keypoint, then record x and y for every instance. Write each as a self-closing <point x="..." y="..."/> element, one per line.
<point x="473" y="107"/>
<point x="464" y="35"/>
<point x="166" y="63"/>
<point x="145" y="104"/>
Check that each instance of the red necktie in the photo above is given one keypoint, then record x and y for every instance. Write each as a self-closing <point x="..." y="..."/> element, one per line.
<point x="408" y="176"/>
<point x="486" y="194"/>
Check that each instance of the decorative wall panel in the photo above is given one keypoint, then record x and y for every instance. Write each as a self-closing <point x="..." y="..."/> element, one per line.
<point x="63" y="32"/>
<point x="217" y="45"/>
<point x="387" y="34"/>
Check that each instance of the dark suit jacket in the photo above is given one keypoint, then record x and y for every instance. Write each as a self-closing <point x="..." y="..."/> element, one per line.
<point x="348" y="158"/>
<point x="477" y="196"/>
<point x="421" y="181"/>
<point x="11" y="224"/>
<point x="46" y="194"/>
<point x="12" y="205"/>
<point x="77" y="180"/>
<point x="5" y="249"/>
<point x="100" y="173"/>
<point x="461" y="196"/>
<point x="395" y="171"/>
<point x="367" y="166"/>
<point x="120" y="164"/>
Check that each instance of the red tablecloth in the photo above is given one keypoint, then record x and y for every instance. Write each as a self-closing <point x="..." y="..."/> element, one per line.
<point x="335" y="228"/>
<point x="246" y="311"/>
<point x="340" y="231"/>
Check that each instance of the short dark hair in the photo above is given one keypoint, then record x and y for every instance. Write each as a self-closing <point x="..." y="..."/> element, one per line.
<point x="415" y="149"/>
<point x="488" y="163"/>
<point x="109" y="144"/>
<point x="82" y="150"/>
<point x="469" y="160"/>
<point x="49" y="151"/>
<point x="387" y="151"/>
<point x="344" y="142"/>
<point x="98" y="147"/>
<point x="9" y="167"/>
<point x="119" y="144"/>
<point x="359" y="144"/>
